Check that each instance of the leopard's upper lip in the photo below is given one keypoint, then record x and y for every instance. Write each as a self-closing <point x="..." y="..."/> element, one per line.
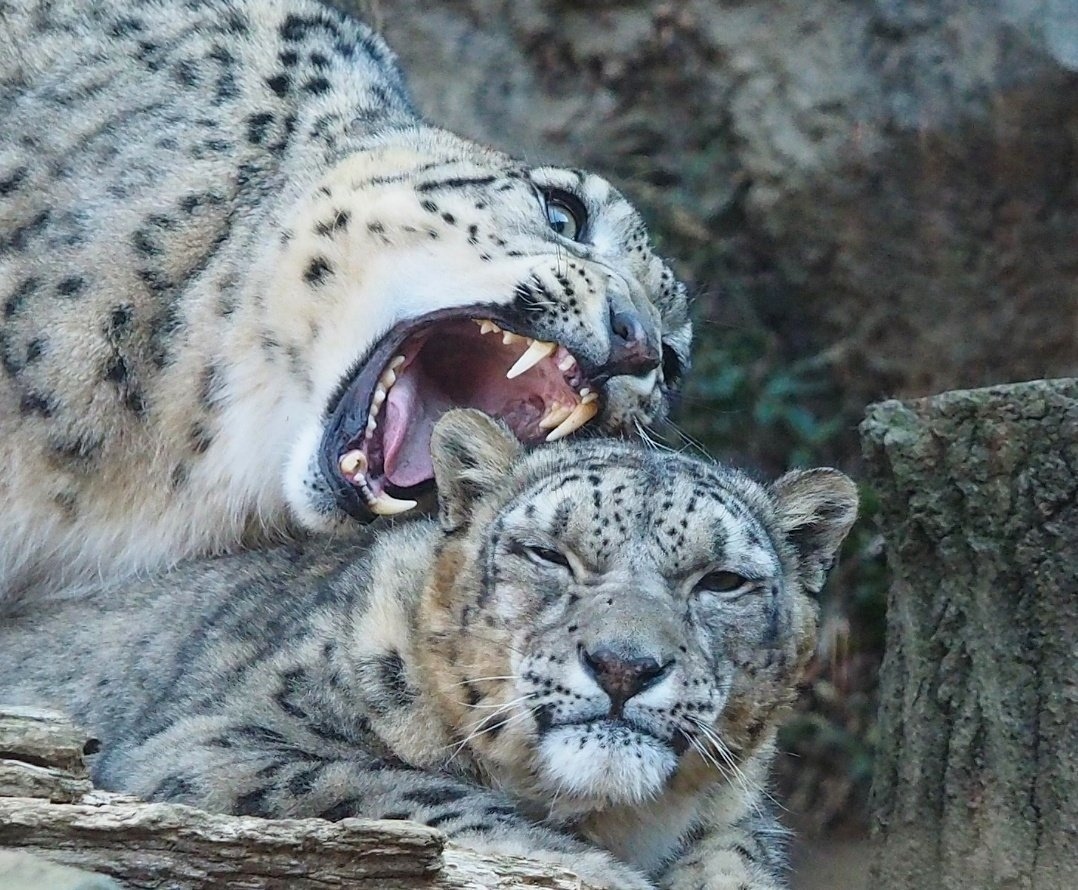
<point x="537" y="387"/>
<point x="613" y="723"/>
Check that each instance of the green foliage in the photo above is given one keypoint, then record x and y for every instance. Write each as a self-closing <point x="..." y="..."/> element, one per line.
<point x="744" y="400"/>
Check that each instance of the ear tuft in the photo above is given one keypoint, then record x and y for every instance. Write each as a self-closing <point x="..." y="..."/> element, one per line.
<point x="815" y="510"/>
<point x="472" y="453"/>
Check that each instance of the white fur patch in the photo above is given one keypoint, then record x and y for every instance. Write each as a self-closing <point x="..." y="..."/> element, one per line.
<point x="607" y="761"/>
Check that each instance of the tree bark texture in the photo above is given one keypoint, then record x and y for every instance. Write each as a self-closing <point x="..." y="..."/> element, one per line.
<point x="977" y="770"/>
<point x="49" y="810"/>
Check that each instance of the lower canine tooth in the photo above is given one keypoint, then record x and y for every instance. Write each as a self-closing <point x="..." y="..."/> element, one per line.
<point x="581" y="414"/>
<point x="386" y="505"/>
<point x="554" y="416"/>
<point x="353" y="462"/>
<point x="531" y="357"/>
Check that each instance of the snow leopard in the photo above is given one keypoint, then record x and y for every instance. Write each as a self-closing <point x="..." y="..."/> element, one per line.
<point x="241" y="277"/>
<point x="582" y="659"/>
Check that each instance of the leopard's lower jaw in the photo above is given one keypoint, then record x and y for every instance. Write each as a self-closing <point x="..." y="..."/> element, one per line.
<point x="600" y="769"/>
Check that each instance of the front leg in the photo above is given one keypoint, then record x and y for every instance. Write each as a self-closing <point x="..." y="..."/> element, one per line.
<point x="748" y="854"/>
<point x="256" y="771"/>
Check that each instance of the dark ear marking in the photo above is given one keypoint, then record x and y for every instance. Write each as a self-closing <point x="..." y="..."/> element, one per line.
<point x="815" y="510"/>
<point x="472" y="454"/>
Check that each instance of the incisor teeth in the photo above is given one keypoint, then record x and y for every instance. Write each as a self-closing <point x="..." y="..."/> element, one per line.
<point x="534" y="354"/>
<point x="554" y="416"/>
<point x="353" y="463"/>
<point x="487" y="326"/>
<point x="397" y="362"/>
<point x="582" y="413"/>
<point x="386" y="505"/>
<point x="379" y="396"/>
<point x="566" y="363"/>
<point x="509" y="337"/>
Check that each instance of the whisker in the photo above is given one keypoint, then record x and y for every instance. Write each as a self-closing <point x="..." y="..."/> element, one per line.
<point x="514" y="701"/>
<point x="484" y="679"/>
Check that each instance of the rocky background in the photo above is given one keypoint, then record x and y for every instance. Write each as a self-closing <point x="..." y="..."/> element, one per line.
<point x="871" y="199"/>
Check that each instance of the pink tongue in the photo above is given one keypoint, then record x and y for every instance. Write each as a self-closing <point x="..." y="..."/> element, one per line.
<point x="406" y="437"/>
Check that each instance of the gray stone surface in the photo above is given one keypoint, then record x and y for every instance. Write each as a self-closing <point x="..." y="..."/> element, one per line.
<point x="893" y="181"/>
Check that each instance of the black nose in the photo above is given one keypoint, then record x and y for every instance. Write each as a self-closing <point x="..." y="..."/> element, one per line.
<point x="631" y="352"/>
<point x="619" y="677"/>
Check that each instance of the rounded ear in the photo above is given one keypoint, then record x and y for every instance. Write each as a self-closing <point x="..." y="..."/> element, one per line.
<point x="472" y="454"/>
<point x="815" y="510"/>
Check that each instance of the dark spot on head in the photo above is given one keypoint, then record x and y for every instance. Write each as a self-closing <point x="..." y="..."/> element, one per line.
<point x="34" y="349"/>
<point x="12" y="181"/>
<point x="70" y="286"/>
<point x="201" y="439"/>
<point x="257" y="124"/>
<point x="279" y="83"/>
<point x="317" y="271"/>
<point x="32" y="403"/>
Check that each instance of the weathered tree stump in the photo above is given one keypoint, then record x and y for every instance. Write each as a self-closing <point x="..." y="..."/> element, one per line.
<point x="49" y="813"/>
<point x="976" y="785"/>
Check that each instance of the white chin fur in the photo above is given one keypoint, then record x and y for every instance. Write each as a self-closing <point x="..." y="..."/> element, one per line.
<point x="309" y="497"/>
<point x="600" y="764"/>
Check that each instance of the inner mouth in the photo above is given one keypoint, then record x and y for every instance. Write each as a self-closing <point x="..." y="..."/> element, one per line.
<point x="384" y="422"/>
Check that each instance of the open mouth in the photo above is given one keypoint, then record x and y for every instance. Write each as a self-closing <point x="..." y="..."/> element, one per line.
<point x="377" y="445"/>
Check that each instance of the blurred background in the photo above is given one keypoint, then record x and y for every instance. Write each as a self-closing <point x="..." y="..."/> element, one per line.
<point x="869" y="198"/>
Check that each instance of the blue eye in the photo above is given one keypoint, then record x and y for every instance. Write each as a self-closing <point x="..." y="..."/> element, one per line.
<point x="565" y="214"/>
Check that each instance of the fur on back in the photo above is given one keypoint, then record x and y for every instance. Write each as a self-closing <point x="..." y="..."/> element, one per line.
<point x="583" y="660"/>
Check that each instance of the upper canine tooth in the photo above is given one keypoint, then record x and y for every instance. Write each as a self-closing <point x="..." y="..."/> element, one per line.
<point x="486" y="326"/>
<point x="554" y="416"/>
<point x="387" y="505"/>
<point x="582" y="413"/>
<point x="566" y="363"/>
<point x="534" y="354"/>
<point x="353" y="462"/>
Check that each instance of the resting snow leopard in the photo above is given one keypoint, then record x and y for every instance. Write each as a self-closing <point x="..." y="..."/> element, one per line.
<point x="225" y="234"/>
<point x="583" y="660"/>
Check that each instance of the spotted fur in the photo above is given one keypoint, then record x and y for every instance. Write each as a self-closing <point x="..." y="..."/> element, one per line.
<point x="444" y="670"/>
<point x="209" y="213"/>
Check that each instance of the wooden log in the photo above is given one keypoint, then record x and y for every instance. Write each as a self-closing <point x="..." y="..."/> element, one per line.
<point x="976" y="781"/>
<point x="159" y="845"/>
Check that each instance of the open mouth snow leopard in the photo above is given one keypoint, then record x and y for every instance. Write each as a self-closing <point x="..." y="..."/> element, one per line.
<point x="582" y="660"/>
<point x="240" y="279"/>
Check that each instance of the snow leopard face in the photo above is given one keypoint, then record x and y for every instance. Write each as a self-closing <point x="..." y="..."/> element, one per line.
<point x="428" y="277"/>
<point x="615" y="621"/>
